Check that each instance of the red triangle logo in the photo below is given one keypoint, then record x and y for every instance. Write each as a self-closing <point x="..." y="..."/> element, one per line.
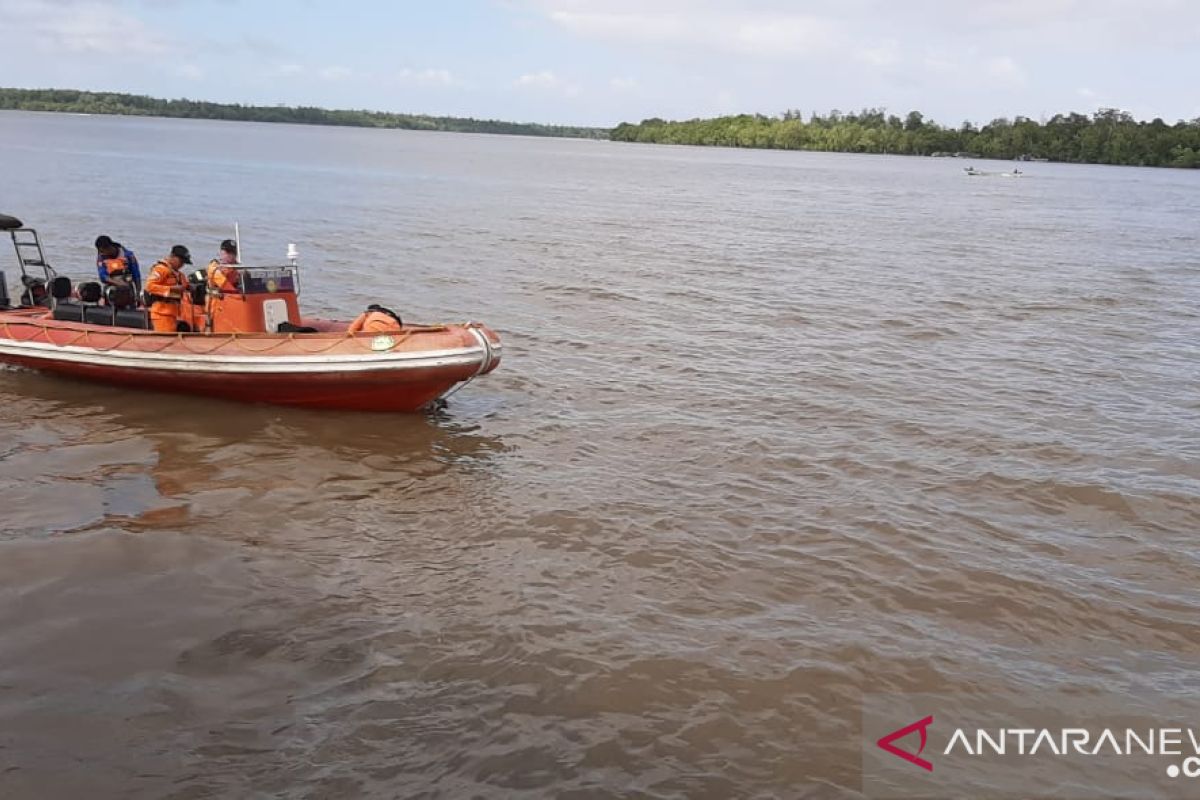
<point x="919" y="726"/>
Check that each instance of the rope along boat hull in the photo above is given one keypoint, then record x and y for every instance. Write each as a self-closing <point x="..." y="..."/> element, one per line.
<point x="402" y="371"/>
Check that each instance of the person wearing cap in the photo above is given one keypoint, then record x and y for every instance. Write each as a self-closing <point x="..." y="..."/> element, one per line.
<point x="117" y="265"/>
<point x="222" y="276"/>
<point x="166" y="288"/>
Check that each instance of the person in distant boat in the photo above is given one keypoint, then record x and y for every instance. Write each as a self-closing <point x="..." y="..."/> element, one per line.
<point x="222" y="276"/>
<point x="377" y="319"/>
<point x="117" y="265"/>
<point x="165" y="290"/>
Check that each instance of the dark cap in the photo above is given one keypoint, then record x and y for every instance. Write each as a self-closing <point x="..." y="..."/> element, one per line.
<point x="229" y="246"/>
<point x="181" y="252"/>
<point x="104" y="241"/>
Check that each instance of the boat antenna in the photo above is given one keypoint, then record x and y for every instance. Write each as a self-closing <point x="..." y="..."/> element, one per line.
<point x="237" y="240"/>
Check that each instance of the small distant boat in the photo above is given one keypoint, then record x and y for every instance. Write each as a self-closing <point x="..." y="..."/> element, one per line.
<point x="975" y="173"/>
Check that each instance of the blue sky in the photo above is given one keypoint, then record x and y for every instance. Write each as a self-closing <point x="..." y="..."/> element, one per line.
<point x="604" y="61"/>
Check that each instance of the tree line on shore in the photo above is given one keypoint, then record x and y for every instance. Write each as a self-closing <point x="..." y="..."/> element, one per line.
<point x="79" y="102"/>
<point x="1109" y="136"/>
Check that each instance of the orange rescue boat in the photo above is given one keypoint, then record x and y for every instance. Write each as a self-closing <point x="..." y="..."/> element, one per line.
<point x="249" y="345"/>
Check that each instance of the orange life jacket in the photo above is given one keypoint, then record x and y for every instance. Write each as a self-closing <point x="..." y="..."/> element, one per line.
<point x="222" y="277"/>
<point x="375" y="322"/>
<point x="116" y="268"/>
<point x="162" y="279"/>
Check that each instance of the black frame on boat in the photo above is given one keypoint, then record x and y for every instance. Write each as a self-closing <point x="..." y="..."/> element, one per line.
<point x="54" y="291"/>
<point x="28" y="247"/>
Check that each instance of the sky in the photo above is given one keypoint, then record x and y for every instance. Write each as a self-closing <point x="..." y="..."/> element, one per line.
<point x="600" y="62"/>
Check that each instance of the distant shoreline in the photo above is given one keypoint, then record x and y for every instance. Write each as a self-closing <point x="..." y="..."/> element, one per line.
<point x="1109" y="136"/>
<point x="71" y="101"/>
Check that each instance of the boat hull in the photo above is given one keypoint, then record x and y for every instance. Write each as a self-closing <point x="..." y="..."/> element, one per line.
<point x="405" y="372"/>
<point x="355" y="391"/>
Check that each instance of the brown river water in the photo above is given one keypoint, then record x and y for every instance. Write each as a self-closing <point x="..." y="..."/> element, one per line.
<point x="773" y="431"/>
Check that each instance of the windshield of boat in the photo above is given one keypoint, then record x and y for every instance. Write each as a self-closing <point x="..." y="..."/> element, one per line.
<point x="270" y="280"/>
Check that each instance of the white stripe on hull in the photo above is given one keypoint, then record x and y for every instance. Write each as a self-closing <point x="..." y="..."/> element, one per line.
<point x="253" y="365"/>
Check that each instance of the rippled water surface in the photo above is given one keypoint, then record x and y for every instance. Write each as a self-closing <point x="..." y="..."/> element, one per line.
<point x="772" y="430"/>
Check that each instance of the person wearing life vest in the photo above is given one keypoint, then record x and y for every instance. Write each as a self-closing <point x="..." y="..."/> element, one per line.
<point x="222" y="277"/>
<point x="117" y="265"/>
<point x="165" y="289"/>
<point x="377" y="319"/>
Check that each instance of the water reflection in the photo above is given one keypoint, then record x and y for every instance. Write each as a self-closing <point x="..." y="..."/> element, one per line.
<point x="30" y="398"/>
<point x="76" y="456"/>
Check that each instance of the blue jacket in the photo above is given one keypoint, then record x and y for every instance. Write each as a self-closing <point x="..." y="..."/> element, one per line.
<point x="130" y="259"/>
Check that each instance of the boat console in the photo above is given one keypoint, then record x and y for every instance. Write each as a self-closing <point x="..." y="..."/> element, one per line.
<point x="266" y="298"/>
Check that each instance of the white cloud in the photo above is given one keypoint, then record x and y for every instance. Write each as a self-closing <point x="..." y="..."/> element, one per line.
<point x="285" y="71"/>
<point x="884" y="54"/>
<point x="427" y="77"/>
<point x="939" y="62"/>
<point x="541" y="80"/>
<point x="623" y="84"/>
<point x="781" y="36"/>
<point x="1006" y="71"/>
<point x="726" y="101"/>
<point x="793" y="28"/>
<point x="1024" y="13"/>
<point x="777" y="35"/>
<point x="546" y="81"/>
<point x="82" y="27"/>
<point x="621" y="26"/>
<point x="190" y="71"/>
<point x="1087" y="94"/>
<point x="408" y="76"/>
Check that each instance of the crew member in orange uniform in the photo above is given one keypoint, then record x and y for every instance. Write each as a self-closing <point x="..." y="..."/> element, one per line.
<point x="167" y="286"/>
<point x="222" y="276"/>
<point x="377" y="319"/>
